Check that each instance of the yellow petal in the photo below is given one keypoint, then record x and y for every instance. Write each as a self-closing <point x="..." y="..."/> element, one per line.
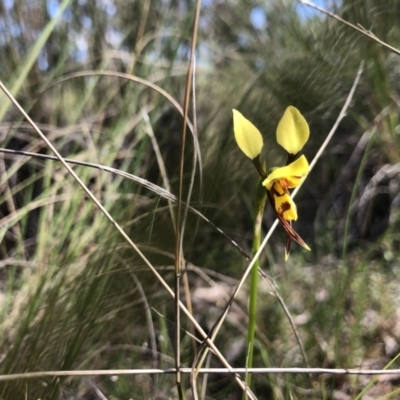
<point x="247" y="136"/>
<point x="284" y="204"/>
<point x="293" y="131"/>
<point x="290" y="176"/>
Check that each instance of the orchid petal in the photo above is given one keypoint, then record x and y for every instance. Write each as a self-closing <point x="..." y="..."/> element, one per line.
<point x="247" y="136"/>
<point x="290" y="176"/>
<point x="283" y="203"/>
<point x="293" y="131"/>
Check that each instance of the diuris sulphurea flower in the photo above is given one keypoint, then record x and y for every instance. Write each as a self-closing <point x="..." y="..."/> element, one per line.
<point x="292" y="133"/>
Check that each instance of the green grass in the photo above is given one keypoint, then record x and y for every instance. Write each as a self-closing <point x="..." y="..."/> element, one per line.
<point x="75" y="296"/>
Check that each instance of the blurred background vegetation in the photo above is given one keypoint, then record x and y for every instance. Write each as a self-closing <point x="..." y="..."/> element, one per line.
<point x="74" y="295"/>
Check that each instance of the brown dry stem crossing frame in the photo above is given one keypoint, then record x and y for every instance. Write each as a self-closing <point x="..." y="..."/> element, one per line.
<point x="152" y="371"/>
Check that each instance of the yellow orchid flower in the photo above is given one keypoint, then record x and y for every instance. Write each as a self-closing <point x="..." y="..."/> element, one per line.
<point x="277" y="183"/>
<point x="292" y="134"/>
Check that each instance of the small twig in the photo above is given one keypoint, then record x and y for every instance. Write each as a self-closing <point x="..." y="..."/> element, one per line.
<point x="99" y="393"/>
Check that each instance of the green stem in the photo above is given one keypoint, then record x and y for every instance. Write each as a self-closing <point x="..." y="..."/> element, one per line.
<point x="258" y="216"/>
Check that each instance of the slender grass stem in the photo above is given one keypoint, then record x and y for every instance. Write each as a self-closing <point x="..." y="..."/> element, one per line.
<point x="258" y="216"/>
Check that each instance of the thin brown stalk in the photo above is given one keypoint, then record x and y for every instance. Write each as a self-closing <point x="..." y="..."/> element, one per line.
<point x="196" y="159"/>
<point x="179" y="220"/>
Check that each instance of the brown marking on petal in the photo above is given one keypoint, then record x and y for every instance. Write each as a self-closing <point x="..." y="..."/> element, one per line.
<point x="284" y="207"/>
<point x="275" y="192"/>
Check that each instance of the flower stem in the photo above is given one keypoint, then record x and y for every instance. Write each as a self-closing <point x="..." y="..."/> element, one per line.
<point x="258" y="216"/>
